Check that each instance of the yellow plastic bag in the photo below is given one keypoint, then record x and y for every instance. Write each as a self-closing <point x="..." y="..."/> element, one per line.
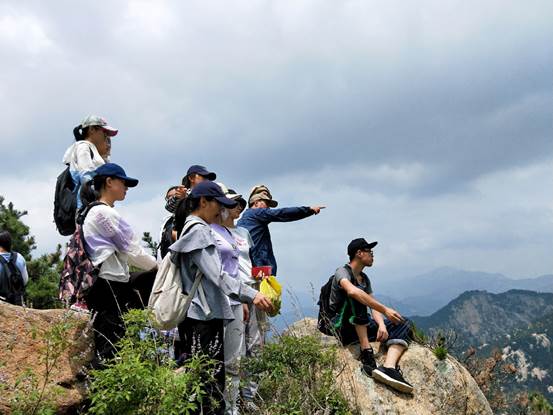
<point x="271" y="288"/>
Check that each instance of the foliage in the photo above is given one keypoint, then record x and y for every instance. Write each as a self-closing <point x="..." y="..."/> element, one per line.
<point x="539" y="405"/>
<point x="10" y="220"/>
<point x="44" y="272"/>
<point x="441" y="342"/>
<point x="32" y="396"/>
<point x="419" y="335"/>
<point x="44" y="276"/>
<point x="297" y="376"/>
<point x="150" y="243"/>
<point x="142" y="378"/>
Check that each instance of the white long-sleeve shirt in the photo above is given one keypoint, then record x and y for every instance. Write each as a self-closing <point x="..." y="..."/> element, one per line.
<point x="111" y="242"/>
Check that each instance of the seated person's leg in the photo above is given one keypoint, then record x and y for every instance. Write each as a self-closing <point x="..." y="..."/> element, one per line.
<point x="360" y="320"/>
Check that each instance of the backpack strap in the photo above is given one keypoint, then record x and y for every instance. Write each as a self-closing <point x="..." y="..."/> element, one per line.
<point x="13" y="258"/>
<point x="82" y="215"/>
<point x="3" y="260"/>
<point x="198" y="278"/>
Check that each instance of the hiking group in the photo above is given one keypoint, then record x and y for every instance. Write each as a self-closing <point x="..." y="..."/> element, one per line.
<point x="220" y="244"/>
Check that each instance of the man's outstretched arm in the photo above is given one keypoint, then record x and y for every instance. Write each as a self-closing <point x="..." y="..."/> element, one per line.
<point x="287" y="214"/>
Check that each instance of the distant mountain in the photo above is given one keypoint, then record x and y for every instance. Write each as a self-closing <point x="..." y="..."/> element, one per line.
<point x="424" y="294"/>
<point x="519" y="323"/>
<point x="479" y="317"/>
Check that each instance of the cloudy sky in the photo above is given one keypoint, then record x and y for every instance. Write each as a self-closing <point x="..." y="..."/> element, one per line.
<point x="424" y="125"/>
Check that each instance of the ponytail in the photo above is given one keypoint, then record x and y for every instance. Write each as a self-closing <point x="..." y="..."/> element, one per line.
<point x="80" y="133"/>
<point x="89" y="193"/>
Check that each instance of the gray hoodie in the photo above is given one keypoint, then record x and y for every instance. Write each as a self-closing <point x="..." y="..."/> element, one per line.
<point x="197" y="249"/>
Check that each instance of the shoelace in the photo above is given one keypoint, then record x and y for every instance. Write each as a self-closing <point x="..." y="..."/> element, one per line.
<point x="399" y="370"/>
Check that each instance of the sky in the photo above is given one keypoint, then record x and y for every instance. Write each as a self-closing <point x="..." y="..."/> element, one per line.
<point x="425" y="126"/>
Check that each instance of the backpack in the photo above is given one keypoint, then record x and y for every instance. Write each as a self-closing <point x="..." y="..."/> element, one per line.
<point x="65" y="202"/>
<point x="12" y="287"/>
<point x="168" y="302"/>
<point x="166" y="236"/>
<point x="324" y="323"/>
<point x="326" y="315"/>
<point x="78" y="274"/>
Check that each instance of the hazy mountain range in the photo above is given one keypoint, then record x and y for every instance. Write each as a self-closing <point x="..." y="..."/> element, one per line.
<point x="518" y="323"/>
<point x="421" y="295"/>
<point x="426" y="293"/>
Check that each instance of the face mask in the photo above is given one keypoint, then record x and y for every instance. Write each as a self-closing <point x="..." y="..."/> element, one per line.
<point x="225" y="214"/>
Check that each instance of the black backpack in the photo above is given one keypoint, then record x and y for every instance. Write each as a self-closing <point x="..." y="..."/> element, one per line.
<point x="345" y="333"/>
<point x="324" y="323"/>
<point x="166" y="239"/>
<point x="12" y="287"/>
<point x="65" y="202"/>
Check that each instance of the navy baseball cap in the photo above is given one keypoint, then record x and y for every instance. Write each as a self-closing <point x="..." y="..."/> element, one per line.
<point x="115" y="170"/>
<point x="202" y="171"/>
<point x="358" y="244"/>
<point x="210" y="189"/>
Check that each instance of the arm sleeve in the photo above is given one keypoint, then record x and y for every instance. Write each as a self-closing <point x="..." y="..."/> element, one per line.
<point x="112" y="226"/>
<point x="341" y="274"/>
<point x="23" y="269"/>
<point x="171" y="205"/>
<point x="288" y="214"/>
<point x="84" y="162"/>
<point x="207" y="260"/>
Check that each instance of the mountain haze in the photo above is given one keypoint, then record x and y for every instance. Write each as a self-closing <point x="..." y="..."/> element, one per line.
<point x="427" y="293"/>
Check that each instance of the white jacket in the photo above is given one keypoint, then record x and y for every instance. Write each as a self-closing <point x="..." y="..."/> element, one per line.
<point x="110" y="241"/>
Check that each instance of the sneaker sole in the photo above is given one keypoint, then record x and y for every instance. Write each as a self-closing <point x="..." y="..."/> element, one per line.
<point x="397" y="385"/>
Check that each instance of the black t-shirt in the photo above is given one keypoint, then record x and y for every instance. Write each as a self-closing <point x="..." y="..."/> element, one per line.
<point x="337" y="293"/>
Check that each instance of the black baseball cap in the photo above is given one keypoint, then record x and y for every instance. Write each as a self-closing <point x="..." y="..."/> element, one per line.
<point x="115" y="170"/>
<point x="210" y="189"/>
<point x="202" y="171"/>
<point x="358" y="244"/>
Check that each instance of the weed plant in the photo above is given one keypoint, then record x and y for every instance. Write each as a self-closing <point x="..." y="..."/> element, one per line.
<point x="142" y="380"/>
<point x="33" y="396"/>
<point x="297" y="376"/>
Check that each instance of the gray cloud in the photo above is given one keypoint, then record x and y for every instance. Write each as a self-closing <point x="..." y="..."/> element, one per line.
<point x="391" y="113"/>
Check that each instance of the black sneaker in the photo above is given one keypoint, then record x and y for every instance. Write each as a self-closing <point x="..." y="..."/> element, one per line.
<point x="393" y="378"/>
<point x="367" y="359"/>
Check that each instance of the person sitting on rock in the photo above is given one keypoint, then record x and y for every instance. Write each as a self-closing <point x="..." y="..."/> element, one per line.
<point x="350" y="295"/>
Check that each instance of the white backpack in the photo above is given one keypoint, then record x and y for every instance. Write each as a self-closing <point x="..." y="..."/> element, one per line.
<point x="168" y="301"/>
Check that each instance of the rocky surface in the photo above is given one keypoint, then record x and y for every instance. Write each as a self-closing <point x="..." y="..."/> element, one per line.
<point x="23" y="350"/>
<point x="441" y="387"/>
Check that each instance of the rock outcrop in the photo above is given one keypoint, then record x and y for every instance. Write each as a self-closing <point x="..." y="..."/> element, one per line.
<point x="442" y="387"/>
<point x="29" y="339"/>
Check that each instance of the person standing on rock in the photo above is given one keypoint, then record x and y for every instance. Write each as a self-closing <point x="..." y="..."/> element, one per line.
<point x="351" y="293"/>
<point x="202" y="331"/>
<point x="112" y="245"/>
<point x="92" y="148"/>
<point x="260" y="214"/>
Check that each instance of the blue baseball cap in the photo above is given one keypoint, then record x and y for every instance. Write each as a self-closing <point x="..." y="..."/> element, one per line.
<point x="210" y="189"/>
<point x="115" y="170"/>
<point x="202" y="171"/>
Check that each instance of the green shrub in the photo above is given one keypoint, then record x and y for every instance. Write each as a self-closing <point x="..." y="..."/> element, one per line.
<point x="44" y="278"/>
<point x="296" y="376"/>
<point x="440" y="352"/>
<point x="141" y="379"/>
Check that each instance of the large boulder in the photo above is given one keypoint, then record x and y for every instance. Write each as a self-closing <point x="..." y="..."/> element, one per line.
<point x="442" y="387"/>
<point x="34" y="342"/>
